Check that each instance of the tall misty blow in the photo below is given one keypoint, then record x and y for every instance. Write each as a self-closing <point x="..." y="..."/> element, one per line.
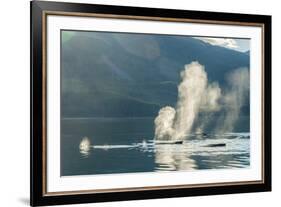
<point x="190" y="94"/>
<point x="233" y="99"/>
<point x="194" y="95"/>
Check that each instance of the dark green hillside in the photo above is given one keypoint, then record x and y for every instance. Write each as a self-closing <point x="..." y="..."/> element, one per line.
<point x="122" y="75"/>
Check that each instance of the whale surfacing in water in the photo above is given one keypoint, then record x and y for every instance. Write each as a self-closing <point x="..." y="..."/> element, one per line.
<point x="168" y="142"/>
<point x="216" y="145"/>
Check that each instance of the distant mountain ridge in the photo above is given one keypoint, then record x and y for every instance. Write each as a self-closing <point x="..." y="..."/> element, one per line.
<point x="122" y="75"/>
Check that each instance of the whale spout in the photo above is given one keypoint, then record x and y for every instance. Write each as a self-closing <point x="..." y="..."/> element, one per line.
<point x="85" y="146"/>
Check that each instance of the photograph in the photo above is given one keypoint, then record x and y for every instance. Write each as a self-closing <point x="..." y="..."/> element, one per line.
<point x="134" y="102"/>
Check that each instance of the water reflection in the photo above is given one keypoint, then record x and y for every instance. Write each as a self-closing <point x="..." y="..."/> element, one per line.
<point x="127" y="146"/>
<point x="222" y="152"/>
<point x="171" y="157"/>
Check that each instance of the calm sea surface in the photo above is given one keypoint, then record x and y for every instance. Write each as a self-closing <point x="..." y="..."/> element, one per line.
<point x="124" y="145"/>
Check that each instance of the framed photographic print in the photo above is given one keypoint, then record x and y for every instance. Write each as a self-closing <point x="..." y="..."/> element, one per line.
<point x="139" y="103"/>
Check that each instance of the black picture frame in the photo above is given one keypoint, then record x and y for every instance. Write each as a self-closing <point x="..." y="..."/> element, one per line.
<point x="38" y="103"/>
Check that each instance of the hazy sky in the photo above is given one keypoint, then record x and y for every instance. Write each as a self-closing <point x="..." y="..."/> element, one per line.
<point x="241" y="45"/>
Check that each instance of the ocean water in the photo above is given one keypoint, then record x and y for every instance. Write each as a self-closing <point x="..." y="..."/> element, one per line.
<point x="126" y="145"/>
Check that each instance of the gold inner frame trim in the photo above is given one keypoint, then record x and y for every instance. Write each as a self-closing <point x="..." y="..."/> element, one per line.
<point x="114" y="16"/>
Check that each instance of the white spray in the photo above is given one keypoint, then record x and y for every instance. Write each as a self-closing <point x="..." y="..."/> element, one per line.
<point x="233" y="99"/>
<point x="190" y="94"/>
<point x="194" y="95"/>
<point x="164" y="123"/>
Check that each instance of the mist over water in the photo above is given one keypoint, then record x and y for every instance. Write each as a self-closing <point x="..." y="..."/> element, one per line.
<point x="196" y="95"/>
<point x="233" y="99"/>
